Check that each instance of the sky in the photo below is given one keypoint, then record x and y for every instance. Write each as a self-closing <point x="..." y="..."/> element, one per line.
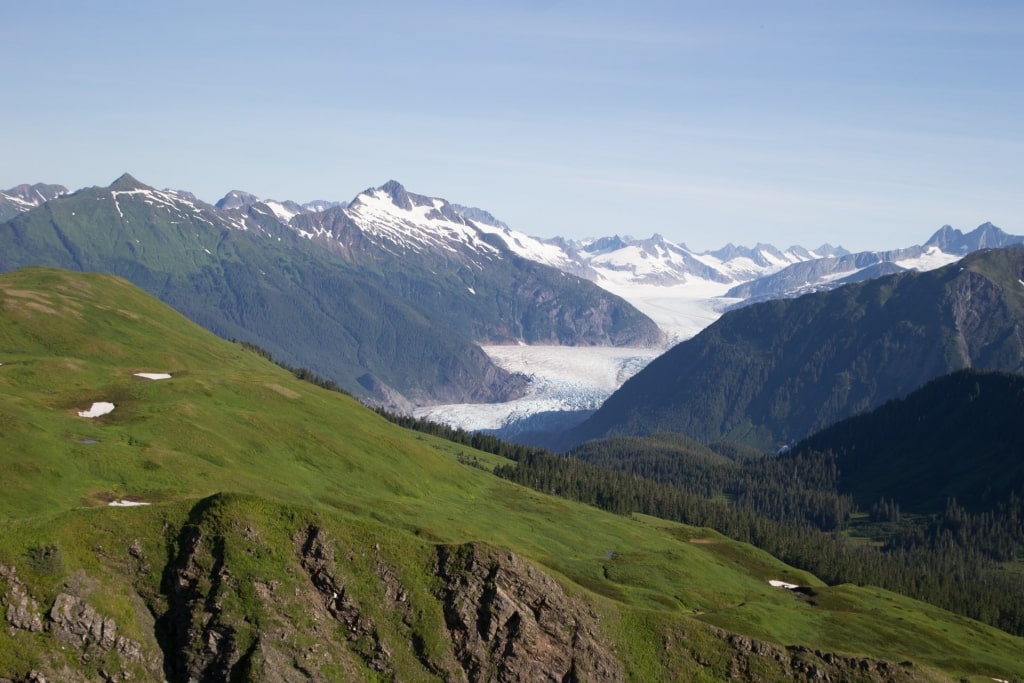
<point x="863" y="124"/>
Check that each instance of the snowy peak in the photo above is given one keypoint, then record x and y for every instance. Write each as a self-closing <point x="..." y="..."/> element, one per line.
<point x="236" y="199"/>
<point x="178" y="207"/>
<point x="126" y="182"/>
<point x="33" y="195"/>
<point x="403" y="221"/>
<point x="319" y="205"/>
<point x="399" y="197"/>
<point x="127" y="189"/>
<point x="604" y="245"/>
<point x="23" y="197"/>
<point x="479" y="216"/>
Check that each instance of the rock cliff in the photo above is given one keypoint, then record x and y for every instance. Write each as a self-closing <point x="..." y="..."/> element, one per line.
<point x="232" y="603"/>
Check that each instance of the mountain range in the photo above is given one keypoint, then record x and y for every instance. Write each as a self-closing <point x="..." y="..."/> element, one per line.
<point x="279" y="531"/>
<point x="775" y="372"/>
<point x="392" y="294"/>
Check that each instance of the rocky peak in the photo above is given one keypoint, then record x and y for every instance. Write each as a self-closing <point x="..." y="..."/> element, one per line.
<point x="35" y="194"/>
<point x="985" y="236"/>
<point x="478" y="216"/>
<point x="127" y="182"/>
<point x="399" y="197"/>
<point x="237" y="199"/>
<point x="605" y="244"/>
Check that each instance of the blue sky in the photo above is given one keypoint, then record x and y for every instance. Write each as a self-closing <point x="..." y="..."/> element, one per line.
<point x="866" y="124"/>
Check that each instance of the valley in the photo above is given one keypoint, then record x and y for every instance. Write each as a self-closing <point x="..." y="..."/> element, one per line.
<point x="198" y="507"/>
<point x="292" y="534"/>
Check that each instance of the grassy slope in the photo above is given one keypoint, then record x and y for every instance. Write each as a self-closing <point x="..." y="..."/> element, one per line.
<point x="230" y="421"/>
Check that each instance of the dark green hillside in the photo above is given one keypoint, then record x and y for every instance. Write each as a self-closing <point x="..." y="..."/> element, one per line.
<point x="772" y="373"/>
<point x="923" y="495"/>
<point x="958" y="437"/>
<point x="262" y="284"/>
<point x="292" y="534"/>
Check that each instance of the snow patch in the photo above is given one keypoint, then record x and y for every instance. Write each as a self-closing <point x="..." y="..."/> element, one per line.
<point x="153" y="375"/>
<point x="283" y="213"/>
<point x="775" y="583"/>
<point x="931" y="259"/>
<point x="126" y="503"/>
<point x="99" y="408"/>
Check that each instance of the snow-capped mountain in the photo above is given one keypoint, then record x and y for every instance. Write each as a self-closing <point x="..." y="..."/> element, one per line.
<point x="400" y="222"/>
<point x="683" y="291"/>
<point x="945" y="246"/>
<point x="24" y="197"/>
<point x="471" y="275"/>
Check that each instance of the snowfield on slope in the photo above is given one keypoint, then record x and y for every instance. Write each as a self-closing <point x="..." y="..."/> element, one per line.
<point x="681" y="310"/>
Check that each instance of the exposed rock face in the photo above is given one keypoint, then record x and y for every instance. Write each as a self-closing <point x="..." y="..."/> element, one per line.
<point x="203" y="648"/>
<point x="510" y="622"/>
<point x="76" y="624"/>
<point x="798" y="663"/>
<point x="21" y="608"/>
<point x="325" y="611"/>
<point x="317" y="557"/>
<point x="75" y="621"/>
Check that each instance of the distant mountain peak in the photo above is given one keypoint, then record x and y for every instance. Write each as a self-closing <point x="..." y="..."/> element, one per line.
<point x="985" y="236"/>
<point x="23" y="197"/>
<point x="398" y="195"/>
<point x="128" y="182"/>
<point x="471" y="213"/>
<point x="237" y="199"/>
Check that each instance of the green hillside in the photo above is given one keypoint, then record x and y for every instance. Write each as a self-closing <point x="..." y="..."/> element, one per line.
<point x="294" y="535"/>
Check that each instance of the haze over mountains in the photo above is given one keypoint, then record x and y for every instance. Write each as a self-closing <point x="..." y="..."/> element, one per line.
<point x="412" y="302"/>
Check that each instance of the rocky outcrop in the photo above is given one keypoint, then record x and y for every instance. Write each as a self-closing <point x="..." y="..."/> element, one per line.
<point x="317" y="558"/>
<point x="508" y="621"/>
<point x="75" y="624"/>
<point x="322" y="610"/>
<point x="799" y="663"/>
<point x="198" y="644"/>
<point x="21" y="609"/>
